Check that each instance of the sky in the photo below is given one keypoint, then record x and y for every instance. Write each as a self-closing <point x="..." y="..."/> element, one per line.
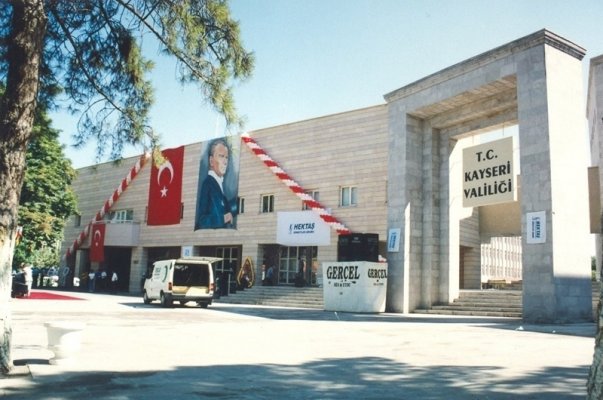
<point x="321" y="57"/>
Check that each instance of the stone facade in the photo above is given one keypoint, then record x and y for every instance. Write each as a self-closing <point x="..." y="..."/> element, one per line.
<point x="535" y="82"/>
<point x="405" y="160"/>
<point x="322" y="154"/>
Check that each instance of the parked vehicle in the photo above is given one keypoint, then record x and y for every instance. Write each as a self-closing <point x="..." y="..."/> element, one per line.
<point x="183" y="280"/>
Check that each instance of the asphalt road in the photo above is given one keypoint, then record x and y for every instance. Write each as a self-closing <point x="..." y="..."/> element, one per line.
<point x="134" y="351"/>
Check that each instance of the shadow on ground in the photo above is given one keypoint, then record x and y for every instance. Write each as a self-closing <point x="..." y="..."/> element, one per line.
<point x="305" y="314"/>
<point x="356" y="378"/>
<point x="583" y="329"/>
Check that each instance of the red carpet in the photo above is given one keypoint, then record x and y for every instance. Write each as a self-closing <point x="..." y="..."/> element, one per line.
<point x="37" y="295"/>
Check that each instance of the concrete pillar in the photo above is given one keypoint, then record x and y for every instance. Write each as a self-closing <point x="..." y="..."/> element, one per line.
<point x="552" y="135"/>
<point x="451" y="225"/>
<point x="138" y="268"/>
<point x="406" y="277"/>
<point x="398" y="218"/>
<point x="430" y="193"/>
<point x="81" y="257"/>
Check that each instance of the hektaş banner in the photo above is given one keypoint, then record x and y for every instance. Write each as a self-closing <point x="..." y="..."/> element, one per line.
<point x="302" y="228"/>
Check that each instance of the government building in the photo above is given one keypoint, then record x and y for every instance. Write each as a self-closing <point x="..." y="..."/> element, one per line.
<point x="475" y="174"/>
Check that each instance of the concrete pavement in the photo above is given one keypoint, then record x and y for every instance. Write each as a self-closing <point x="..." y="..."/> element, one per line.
<point x="134" y="351"/>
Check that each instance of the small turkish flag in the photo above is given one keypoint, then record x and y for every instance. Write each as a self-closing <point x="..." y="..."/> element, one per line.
<point x="97" y="243"/>
<point x="165" y="189"/>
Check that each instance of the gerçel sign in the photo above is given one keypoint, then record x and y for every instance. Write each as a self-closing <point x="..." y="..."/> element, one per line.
<point x="354" y="286"/>
<point x="488" y="173"/>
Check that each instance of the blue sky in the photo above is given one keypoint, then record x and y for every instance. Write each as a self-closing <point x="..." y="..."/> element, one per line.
<point x="319" y="57"/>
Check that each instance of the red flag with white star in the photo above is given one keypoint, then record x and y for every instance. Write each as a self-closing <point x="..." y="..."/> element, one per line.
<point x="97" y="243"/>
<point x="165" y="189"/>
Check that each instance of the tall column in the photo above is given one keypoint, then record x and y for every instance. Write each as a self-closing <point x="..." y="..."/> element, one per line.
<point x="553" y="151"/>
<point x="451" y="220"/>
<point x="430" y="222"/>
<point x="405" y="210"/>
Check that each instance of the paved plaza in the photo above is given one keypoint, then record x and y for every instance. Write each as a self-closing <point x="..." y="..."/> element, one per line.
<point x="134" y="351"/>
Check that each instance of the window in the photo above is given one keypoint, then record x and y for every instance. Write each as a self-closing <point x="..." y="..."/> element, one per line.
<point x="314" y="194"/>
<point x="120" y="216"/>
<point x="348" y="196"/>
<point x="77" y="220"/>
<point x="296" y="260"/>
<point x="241" y="205"/>
<point x="289" y="264"/>
<point x="230" y="259"/>
<point x="267" y="203"/>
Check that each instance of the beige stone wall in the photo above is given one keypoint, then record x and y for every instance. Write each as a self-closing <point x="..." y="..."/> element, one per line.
<point x="323" y="154"/>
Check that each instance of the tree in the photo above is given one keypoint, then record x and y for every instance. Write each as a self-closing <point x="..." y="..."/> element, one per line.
<point x="594" y="385"/>
<point x="90" y="50"/>
<point x="47" y="199"/>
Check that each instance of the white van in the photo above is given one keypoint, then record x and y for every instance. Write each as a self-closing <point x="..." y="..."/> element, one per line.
<point x="184" y="279"/>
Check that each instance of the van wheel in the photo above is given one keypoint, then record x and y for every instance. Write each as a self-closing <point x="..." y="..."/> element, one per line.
<point x="165" y="302"/>
<point x="203" y="305"/>
<point x="145" y="298"/>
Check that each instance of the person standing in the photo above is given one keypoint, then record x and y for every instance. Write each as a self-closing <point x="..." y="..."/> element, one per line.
<point x="91" y="281"/>
<point x="270" y="276"/>
<point x="114" y="280"/>
<point x="103" y="287"/>
<point x="28" y="278"/>
<point x="264" y="274"/>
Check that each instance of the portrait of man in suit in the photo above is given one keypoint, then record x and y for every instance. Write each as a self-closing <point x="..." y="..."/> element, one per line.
<point x="217" y="200"/>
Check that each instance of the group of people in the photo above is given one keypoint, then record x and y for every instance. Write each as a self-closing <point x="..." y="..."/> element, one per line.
<point x="102" y="281"/>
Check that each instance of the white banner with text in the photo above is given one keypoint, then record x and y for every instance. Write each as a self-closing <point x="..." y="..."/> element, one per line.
<point x="302" y="228"/>
<point x="354" y="286"/>
<point x="488" y="173"/>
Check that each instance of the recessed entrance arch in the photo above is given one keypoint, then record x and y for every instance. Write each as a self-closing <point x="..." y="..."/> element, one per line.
<point x="536" y="83"/>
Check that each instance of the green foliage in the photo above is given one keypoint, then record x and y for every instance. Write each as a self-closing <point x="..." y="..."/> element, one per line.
<point x="47" y="199"/>
<point x="92" y="57"/>
<point x="92" y="54"/>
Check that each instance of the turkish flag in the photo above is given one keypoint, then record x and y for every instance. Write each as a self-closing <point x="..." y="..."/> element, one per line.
<point x="97" y="243"/>
<point x="165" y="189"/>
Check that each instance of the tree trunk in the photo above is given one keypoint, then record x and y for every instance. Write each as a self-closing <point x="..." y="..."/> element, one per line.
<point x="595" y="377"/>
<point x="17" y="109"/>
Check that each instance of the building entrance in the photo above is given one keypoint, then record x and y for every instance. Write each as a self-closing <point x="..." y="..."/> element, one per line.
<point x="535" y="83"/>
<point x="298" y="265"/>
<point x="118" y="259"/>
<point x="489" y="232"/>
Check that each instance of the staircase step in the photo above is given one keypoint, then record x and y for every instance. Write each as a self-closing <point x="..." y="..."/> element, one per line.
<point x="490" y="313"/>
<point x="486" y="303"/>
<point x="280" y="296"/>
<point x="499" y="308"/>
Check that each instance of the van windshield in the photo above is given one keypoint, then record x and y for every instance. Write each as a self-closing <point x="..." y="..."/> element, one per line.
<point x="191" y="275"/>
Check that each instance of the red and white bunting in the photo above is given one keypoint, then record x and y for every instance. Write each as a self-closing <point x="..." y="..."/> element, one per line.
<point x="109" y="203"/>
<point x="294" y="186"/>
